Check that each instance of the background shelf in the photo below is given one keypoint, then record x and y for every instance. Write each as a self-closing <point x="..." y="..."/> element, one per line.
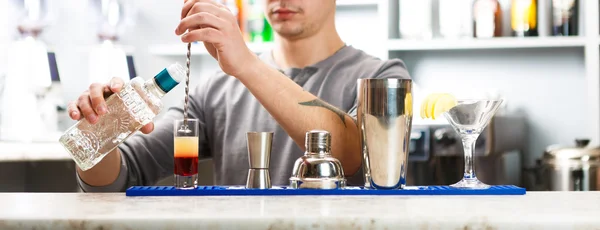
<point x="493" y="43"/>
<point x="412" y="45"/>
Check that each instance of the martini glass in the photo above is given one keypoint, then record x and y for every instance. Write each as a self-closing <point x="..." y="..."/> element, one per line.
<point x="469" y="118"/>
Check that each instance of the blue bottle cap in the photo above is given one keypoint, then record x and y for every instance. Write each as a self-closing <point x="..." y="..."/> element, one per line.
<point x="169" y="77"/>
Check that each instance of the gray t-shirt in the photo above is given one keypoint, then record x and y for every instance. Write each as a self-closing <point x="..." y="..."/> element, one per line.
<point x="226" y="110"/>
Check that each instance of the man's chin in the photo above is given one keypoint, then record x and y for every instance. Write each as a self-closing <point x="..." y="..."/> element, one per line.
<point x="289" y="32"/>
<point x="290" y="35"/>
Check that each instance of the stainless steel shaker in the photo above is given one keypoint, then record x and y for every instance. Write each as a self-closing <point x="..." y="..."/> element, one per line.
<point x="317" y="169"/>
<point x="259" y="155"/>
<point x="384" y="116"/>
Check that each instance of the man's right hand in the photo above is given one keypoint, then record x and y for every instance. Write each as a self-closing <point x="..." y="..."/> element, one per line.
<point x="91" y="104"/>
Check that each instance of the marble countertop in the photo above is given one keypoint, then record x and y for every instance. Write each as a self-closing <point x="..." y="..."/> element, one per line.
<point x="536" y="210"/>
<point x="35" y="151"/>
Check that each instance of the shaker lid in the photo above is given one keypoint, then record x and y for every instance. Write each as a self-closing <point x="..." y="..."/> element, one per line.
<point x="578" y="152"/>
<point x="318" y="141"/>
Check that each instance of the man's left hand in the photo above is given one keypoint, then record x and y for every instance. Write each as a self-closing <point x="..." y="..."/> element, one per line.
<point x="215" y="25"/>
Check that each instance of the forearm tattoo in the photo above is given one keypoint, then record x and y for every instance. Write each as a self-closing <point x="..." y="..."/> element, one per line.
<point x="319" y="103"/>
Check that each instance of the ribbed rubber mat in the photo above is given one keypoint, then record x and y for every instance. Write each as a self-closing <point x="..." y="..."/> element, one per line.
<point x="350" y="191"/>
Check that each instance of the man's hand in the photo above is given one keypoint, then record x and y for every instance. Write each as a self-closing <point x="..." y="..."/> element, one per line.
<point x="91" y="104"/>
<point x="215" y="25"/>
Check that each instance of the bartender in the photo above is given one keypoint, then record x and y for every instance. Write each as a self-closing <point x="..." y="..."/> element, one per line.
<point x="307" y="81"/>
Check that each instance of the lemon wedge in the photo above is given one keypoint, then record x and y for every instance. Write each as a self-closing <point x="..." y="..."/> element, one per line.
<point x="424" y="107"/>
<point x="443" y="103"/>
<point x="431" y="104"/>
<point x="437" y="103"/>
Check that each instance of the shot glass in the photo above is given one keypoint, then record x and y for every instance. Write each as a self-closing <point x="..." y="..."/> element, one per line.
<point x="185" y="144"/>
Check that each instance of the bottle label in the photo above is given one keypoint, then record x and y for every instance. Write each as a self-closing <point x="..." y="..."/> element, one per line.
<point x="562" y="11"/>
<point x="523" y="15"/>
<point x="455" y="18"/>
<point x="255" y="20"/>
<point x="415" y="18"/>
<point x="127" y="112"/>
<point x="484" y="13"/>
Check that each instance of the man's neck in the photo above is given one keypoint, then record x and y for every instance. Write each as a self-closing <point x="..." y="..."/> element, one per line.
<point x="304" y="52"/>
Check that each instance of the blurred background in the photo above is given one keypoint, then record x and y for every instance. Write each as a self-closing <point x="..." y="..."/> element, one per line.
<point x="541" y="56"/>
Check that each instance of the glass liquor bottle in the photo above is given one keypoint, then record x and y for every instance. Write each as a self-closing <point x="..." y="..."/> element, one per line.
<point x="257" y="25"/>
<point x="267" y="33"/>
<point x="565" y="17"/>
<point x="136" y="105"/>
<point x="487" y="19"/>
<point x="455" y="18"/>
<point x="523" y="21"/>
<point x="415" y="19"/>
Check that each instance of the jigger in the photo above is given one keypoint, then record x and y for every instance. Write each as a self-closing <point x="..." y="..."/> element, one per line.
<point x="259" y="154"/>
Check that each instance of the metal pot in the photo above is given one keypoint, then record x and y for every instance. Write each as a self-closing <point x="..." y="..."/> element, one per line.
<point x="570" y="168"/>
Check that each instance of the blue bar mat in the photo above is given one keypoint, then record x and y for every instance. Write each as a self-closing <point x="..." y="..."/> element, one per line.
<point x="349" y="191"/>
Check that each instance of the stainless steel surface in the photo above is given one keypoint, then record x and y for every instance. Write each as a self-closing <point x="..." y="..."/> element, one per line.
<point x="317" y="169"/>
<point x="317" y="183"/>
<point x="259" y="149"/>
<point x="318" y="142"/>
<point x="258" y="178"/>
<point x="570" y="168"/>
<point x="579" y="152"/>
<point x="436" y="152"/>
<point x="571" y="179"/>
<point x="259" y="154"/>
<point x="385" y="119"/>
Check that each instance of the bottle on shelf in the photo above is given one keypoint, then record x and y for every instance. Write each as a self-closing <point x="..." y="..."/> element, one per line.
<point x="237" y="9"/>
<point x="241" y="8"/>
<point x="136" y="105"/>
<point x="524" y="18"/>
<point x="487" y="15"/>
<point x="415" y="19"/>
<point x="259" y="29"/>
<point x="565" y="17"/>
<point x="267" y="33"/>
<point x="455" y="18"/>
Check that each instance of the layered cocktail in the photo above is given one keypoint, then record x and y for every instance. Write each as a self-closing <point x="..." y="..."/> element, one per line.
<point x="185" y="147"/>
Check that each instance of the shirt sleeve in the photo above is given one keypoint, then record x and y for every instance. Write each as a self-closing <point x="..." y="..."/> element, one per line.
<point x="148" y="158"/>
<point x="117" y="185"/>
<point x="393" y="68"/>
